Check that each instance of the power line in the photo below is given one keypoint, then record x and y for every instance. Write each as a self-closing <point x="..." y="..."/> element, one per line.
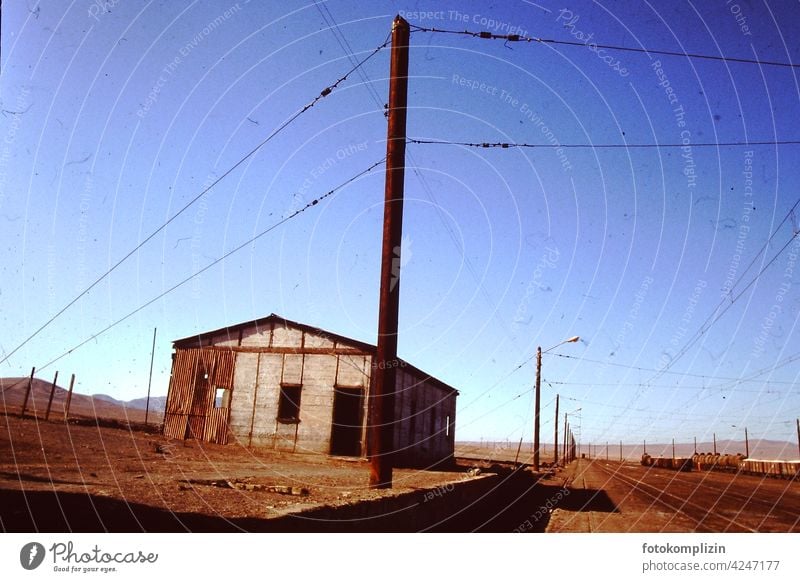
<point x="216" y="261"/>
<point x="706" y="326"/>
<point x="347" y="48"/>
<point x="324" y="93"/>
<point x="506" y="145"/>
<point x="520" y="38"/>
<point x="722" y="386"/>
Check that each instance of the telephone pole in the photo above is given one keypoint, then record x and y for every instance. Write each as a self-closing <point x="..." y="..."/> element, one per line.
<point x="555" y="438"/>
<point x="537" y="400"/>
<point x="150" y="378"/>
<point x="382" y="396"/>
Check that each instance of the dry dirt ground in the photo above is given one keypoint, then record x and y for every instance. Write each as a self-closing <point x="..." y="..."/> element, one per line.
<point x="84" y="477"/>
<point x="608" y="496"/>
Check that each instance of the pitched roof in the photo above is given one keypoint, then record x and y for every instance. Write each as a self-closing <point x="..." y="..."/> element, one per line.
<point x="233" y="330"/>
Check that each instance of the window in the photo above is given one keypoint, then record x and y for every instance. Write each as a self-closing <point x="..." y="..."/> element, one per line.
<point x="222" y="397"/>
<point x="289" y="403"/>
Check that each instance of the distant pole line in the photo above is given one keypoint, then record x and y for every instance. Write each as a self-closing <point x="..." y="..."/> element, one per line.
<point x="521" y="38"/>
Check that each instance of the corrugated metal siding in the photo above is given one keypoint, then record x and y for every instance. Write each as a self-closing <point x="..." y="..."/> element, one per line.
<point x="196" y="373"/>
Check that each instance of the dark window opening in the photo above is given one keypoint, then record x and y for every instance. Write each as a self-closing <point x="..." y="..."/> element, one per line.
<point x="222" y="397"/>
<point x="289" y="403"/>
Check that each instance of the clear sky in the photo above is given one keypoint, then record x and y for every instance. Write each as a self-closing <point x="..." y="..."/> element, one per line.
<point x="118" y="113"/>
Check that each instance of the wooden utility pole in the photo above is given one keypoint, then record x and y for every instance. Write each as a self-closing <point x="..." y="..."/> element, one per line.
<point x="620" y="451"/>
<point x="536" y="404"/>
<point x="715" y="443"/>
<point x="28" y="391"/>
<point x="695" y="445"/>
<point x="150" y="379"/>
<point x="746" y="445"/>
<point x="606" y="450"/>
<point x="566" y="432"/>
<point x="382" y="395"/>
<point x="555" y="437"/>
<point x="798" y="437"/>
<point x="52" y="393"/>
<point x="69" y="398"/>
<point x="673" y="447"/>
<point x="644" y="447"/>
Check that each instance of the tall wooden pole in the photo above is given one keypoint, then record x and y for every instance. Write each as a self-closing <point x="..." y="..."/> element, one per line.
<point x="150" y="378"/>
<point x="746" y="445"/>
<point x="28" y="391"/>
<point x="566" y="434"/>
<point x="620" y="451"/>
<point x="52" y="393"/>
<point x="383" y="388"/>
<point x="695" y="445"/>
<point x="536" y="404"/>
<point x="715" y="443"/>
<point x="606" y="450"/>
<point x="673" y="447"/>
<point x="555" y="437"/>
<point x="798" y="437"/>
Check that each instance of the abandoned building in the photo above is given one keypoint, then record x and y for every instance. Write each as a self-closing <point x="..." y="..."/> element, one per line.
<point x="292" y="387"/>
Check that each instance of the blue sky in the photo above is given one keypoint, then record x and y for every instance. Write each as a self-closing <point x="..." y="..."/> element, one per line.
<point x="116" y="114"/>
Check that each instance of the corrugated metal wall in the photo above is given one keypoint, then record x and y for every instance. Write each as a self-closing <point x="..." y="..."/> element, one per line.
<point x="191" y="411"/>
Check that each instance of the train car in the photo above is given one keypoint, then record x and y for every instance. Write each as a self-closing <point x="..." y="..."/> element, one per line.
<point x="676" y="464"/>
<point x="770" y="468"/>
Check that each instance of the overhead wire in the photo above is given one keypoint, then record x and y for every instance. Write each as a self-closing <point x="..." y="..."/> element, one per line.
<point x="236" y="249"/>
<point x="324" y="93"/>
<point x="529" y="39"/>
<point x="600" y="146"/>
<point x="341" y="38"/>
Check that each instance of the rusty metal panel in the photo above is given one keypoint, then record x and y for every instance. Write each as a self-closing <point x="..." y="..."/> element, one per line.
<point x="196" y="372"/>
<point x="175" y="426"/>
<point x="216" y="428"/>
<point x="196" y="427"/>
<point x="182" y="382"/>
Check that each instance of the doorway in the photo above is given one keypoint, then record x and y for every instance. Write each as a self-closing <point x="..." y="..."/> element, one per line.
<point x="348" y="414"/>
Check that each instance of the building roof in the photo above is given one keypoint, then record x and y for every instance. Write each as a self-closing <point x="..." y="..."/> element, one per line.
<point x="233" y="330"/>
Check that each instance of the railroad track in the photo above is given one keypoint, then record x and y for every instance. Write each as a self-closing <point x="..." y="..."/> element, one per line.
<point x="680" y="505"/>
<point x="726" y="492"/>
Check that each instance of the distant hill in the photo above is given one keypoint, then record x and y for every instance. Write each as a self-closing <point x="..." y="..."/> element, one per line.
<point x="12" y="395"/>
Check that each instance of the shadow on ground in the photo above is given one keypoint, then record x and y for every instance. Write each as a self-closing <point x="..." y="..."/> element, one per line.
<point x="516" y="502"/>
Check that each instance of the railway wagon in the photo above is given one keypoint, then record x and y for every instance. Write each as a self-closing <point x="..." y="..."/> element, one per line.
<point x="677" y="463"/>
<point x="771" y="468"/>
<point x="717" y="462"/>
<point x="738" y="463"/>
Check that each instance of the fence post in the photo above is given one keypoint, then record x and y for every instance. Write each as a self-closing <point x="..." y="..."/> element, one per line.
<point x="28" y="391"/>
<point x="69" y="398"/>
<point x="52" y="393"/>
